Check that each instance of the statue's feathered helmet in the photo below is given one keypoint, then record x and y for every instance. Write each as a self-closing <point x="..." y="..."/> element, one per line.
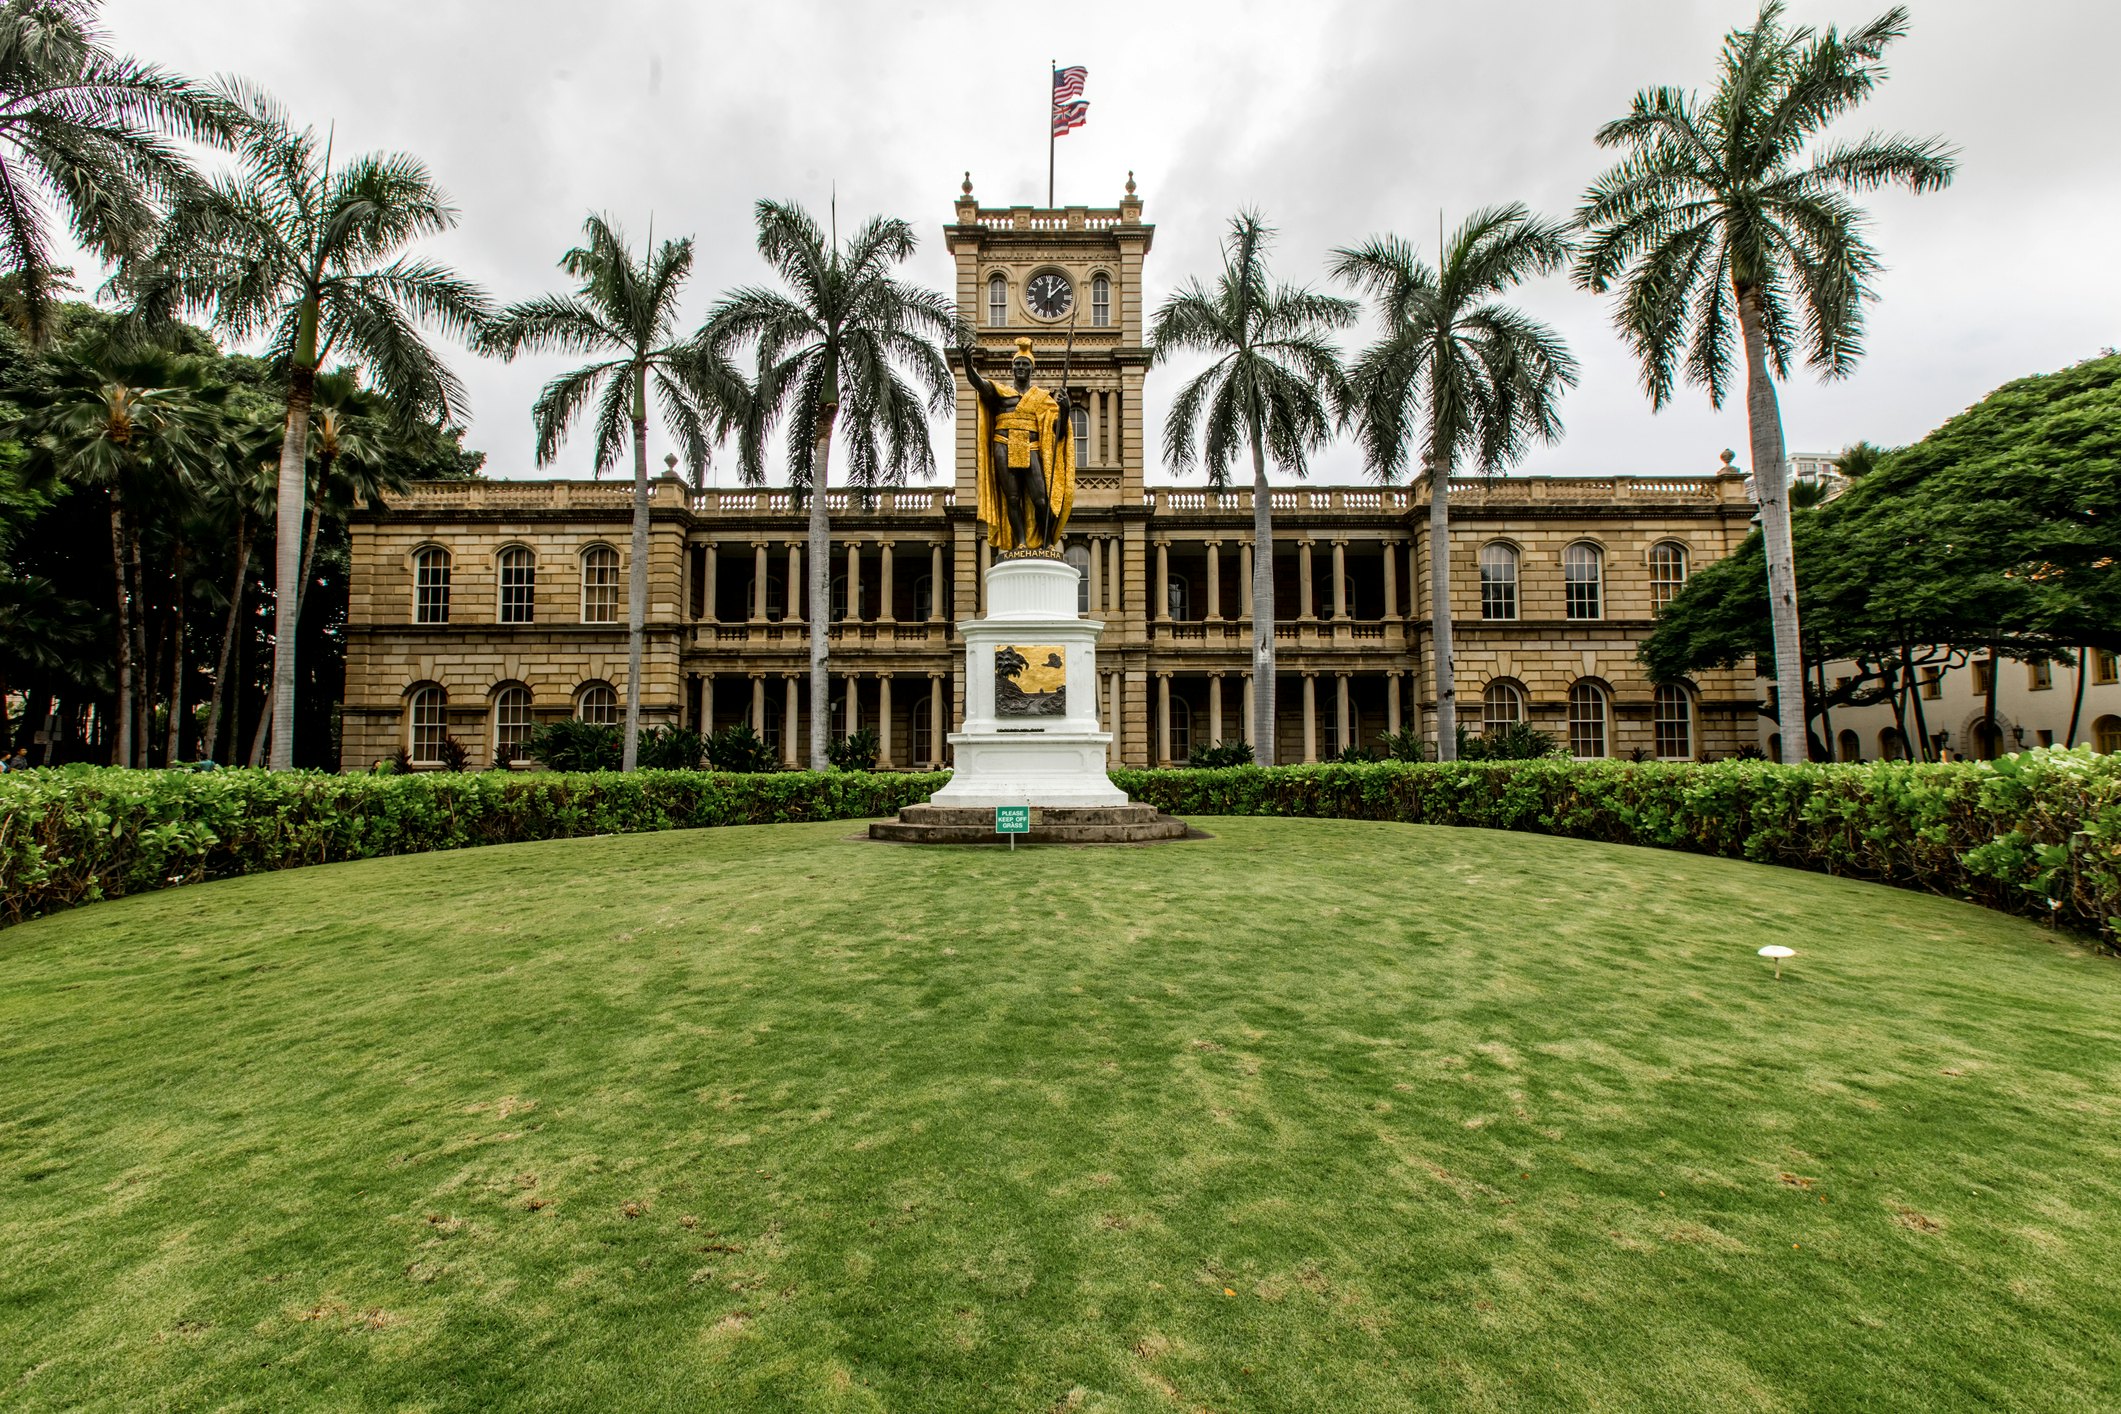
<point x="1023" y="351"/>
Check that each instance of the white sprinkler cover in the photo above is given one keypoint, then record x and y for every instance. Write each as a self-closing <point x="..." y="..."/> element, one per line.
<point x="1773" y="951"/>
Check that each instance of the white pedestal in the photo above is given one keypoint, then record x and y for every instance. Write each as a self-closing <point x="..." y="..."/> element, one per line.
<point x="1025" y="746"/>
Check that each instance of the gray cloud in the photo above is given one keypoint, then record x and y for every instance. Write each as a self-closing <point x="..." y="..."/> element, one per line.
<point x="1337" y="121"/>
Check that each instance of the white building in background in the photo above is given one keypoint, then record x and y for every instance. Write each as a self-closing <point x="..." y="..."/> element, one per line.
<point x="2034" y="703"/>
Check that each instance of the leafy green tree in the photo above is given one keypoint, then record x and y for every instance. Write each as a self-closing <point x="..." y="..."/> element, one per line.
<point x="626" y="309"/>
<point x="91" y="133"/>
<point x="1470" y="376"/>
<point x="1271" y="389"/>
<point x="311" y="256"/>
<point x="831" y="349"/>
<point x="134" y="424"/>
<point x="1725" y="224"/>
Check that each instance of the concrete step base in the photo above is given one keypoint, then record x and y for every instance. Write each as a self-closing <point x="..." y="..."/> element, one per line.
<point x="1082" y="824"/>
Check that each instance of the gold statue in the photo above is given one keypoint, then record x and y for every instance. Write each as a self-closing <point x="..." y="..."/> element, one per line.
<point x="1026" y="458"/>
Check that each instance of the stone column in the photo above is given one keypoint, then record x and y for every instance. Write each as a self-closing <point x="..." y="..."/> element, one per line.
<point x="937" y="709"/>
<point x="1391" y="695"/>
<point x="883" y="717"/>
<point x="854" y="582"/>
<point x="1215" y="707"/>
<point x="1097" y="576"/>
<point x="883" y="601"/>
<point x="794" y="597"/>
<point x="1163" y="719"/>
<point x="1244" y="591"/>
<point x="1303" y="582"/>
<point x="791" y="753"/>
<point x="758" y="703"/>
<point x="707" y="604"/>
<point x="706" y="727"/>
<point x="1116" y="721"/>
<point x="1160" y="591"/>
<point x="854" y="703"/>
<point x="758" y="581"/>
<point x="936" y="588"/>
<point x="1340" y="712"/>
<point x="1116" y="574"/>
<point x="1310" y="718"/>
<point x="1215" y="581"/>
<point x="1340" y="579"/>
<point x="1391" y="582"/>
<point x="1244" y="724"/>
<point x="979" y="584"/>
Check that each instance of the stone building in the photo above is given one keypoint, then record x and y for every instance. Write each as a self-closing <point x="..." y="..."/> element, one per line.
<point x="478" y="609"/>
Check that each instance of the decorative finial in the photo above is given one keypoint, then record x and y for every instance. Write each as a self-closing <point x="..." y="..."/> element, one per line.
<point x="1729" y="457"/>
<point x="1130" y="182"/>
<point x="670" y="462"/>
<point x="967" y="188"/>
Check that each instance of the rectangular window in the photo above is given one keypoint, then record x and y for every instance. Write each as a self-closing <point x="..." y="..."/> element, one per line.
<point x="1498" y="582"/>
<point x="431" y="588"/>
<point x="2047" y="738"/>
<point x="600" y="585"/>
<point x="1984" y="672"/>
<point x="519" y="587"/>
<point x="2039" y="676"/>
<point x="1100" y="302"/>
<point x="1932" y="683"/>
<point x="2106" y="666"/>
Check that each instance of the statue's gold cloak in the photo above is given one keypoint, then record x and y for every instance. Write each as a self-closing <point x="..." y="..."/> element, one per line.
<point x="1039" y="418"/>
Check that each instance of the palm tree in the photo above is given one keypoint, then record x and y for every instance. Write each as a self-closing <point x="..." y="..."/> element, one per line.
<point x="1721" y="218"/>
<point x="237" y="498"/>
<point x="629" y="310"/>
<point x="1274" y="379"/>
<point x="89" y="132"/>
<point x="1488" y="378"/>
<point x="843" y="330"/>
<point x="309" y="256"/>
<point x="117" y="420"/>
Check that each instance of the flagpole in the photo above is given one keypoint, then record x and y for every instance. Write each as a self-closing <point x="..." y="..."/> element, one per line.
<point x="1052" y="77"/>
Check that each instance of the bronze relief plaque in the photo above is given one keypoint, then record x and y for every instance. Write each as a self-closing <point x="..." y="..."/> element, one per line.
<point x="1030" y="680"/>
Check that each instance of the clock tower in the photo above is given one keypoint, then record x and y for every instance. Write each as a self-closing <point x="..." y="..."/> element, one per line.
<point x="1044" y="273"/>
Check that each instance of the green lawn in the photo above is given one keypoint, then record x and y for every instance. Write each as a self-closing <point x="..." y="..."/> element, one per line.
<point x="1312" y="1115"/>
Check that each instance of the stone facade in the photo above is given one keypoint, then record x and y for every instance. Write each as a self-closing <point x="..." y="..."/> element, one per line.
<point x="724" y="643"/>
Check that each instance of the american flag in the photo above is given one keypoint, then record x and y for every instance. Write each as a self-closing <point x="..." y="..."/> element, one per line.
<point x="1070" y="110"/>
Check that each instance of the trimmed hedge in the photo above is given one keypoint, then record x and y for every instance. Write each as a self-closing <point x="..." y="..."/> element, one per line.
<point x="73" y="836"/>
<point x="2038" y="834"/>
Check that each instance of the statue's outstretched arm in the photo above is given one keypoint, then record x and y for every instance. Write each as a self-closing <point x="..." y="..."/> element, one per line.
<point x="980" y="386"/>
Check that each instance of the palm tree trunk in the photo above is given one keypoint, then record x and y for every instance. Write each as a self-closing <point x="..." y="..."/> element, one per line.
<point x="821" y="587"/>
<point x="287" y="547"/>
<point x="1263" y="743"/>
<point x="2076" y="708"/>
<point x="1440" y="610"/>
<point x="173" y="742"/>
<point x="228" y="640"/>
<point x="143" y="671"/>
<point x="123" y="756"/>
<point x="1771" y="484"/>
<point x="1988" y="705"/>
<point x="637" y="580"/>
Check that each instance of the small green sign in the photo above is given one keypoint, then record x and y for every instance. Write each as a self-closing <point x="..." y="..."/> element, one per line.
<point x="1012" y="819"/>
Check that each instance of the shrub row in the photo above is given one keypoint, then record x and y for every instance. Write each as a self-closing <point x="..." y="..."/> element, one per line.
<point x="2037" y="834"/>
<point x="73" y="836"/>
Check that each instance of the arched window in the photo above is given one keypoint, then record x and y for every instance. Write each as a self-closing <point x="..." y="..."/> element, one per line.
<point x="1498" y="580"/>
<point x="997" y="300"/>
<point x="1181" y="597"/>
<point x="1587" y="720"/>
<point x="2106" y="736"/>
<point x="924" y="597"/>
<point x="1891" y="745"/>
<point x="425" y="726"/>
<point x="511" y="724"/>
<point x="1100" y="301"/>
<point x="519" y="585"/>
<point x="600" y="585"/>
<point x="776" y="597"/>
<point x="1849" y="747"/>
<point x="597" y="702"/>
<point x="923" y="728"/>
<point x="1181" y="729"/>
<point x="1079" y="556"/>
<point x="1080" y="418"/>
<point x="839" y="597"/>
<point x="1582" y="575"/>
<point x="1674" y="719"/>
<point x="430" y="586"/>
<point x="1667" y="572"/>
<point x="1501" y="706"/>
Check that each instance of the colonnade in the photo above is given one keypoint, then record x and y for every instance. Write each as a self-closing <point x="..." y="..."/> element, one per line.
<point x="796" y="693"/>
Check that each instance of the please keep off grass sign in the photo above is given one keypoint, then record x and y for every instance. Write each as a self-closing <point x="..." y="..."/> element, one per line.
<point x="1012" y="820"/>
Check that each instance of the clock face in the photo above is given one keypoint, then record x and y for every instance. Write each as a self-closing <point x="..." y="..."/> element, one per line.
<point x="1049" y="294"/>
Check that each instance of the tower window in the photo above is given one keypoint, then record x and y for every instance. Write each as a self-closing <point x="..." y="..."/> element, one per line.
<point x="997" y="300"/>
<point x="1101" y="301"/>
<point x="519" y="585"/>
<point x="430" y="586"/>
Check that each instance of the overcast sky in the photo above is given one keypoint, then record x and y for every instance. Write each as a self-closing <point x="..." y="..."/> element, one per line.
<point x="1336" y="120"/>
